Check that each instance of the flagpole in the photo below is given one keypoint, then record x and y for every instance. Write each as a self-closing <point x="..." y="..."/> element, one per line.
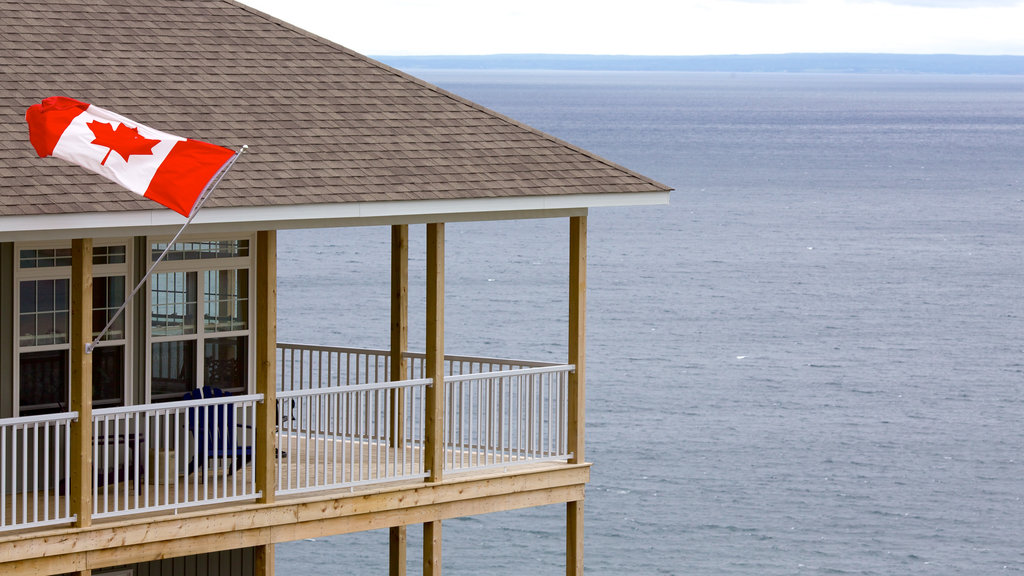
<point x="195" y="210"/>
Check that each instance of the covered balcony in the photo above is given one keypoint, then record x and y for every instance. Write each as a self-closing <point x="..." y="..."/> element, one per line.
<point x="324" y="440"/>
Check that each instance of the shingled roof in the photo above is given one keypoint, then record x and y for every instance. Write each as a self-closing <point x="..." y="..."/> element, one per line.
<point x="324" y="125"/>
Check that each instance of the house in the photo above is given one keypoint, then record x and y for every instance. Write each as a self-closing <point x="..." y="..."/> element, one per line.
<point x="115" y="461"/>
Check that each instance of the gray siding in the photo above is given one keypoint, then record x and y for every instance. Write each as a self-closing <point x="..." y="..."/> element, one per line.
<point x="227" y="563"/>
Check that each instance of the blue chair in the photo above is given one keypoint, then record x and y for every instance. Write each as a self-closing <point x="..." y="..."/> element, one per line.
<point x="214" y="428"/>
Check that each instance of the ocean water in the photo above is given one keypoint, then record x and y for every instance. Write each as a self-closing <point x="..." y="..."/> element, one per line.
<point x="811" y="362"/>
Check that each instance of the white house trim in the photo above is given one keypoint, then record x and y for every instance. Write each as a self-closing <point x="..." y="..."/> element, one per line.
<point x="135" y="223"/>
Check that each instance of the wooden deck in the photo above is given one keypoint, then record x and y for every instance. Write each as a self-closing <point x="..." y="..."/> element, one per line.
<point x="151" y="537"/>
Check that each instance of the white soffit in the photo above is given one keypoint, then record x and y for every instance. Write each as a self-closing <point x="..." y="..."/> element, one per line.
<point x="107" y="224"/>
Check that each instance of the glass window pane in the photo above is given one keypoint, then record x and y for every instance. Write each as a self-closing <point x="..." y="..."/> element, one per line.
<point x="46" y="299"/>
<point x="28" y="330"/>
<point x="109" y="255"/>
<point x="44" y="312"/>
<point x="44" y="258"/>
<point x="225" y="363"/>
<point x="27" y="296"/>
<point x="27" y="259"/>
<point x="107" y="297"/>
<point x="173" y="369"/>
<point x="62" y="257"/>
<point x="173" y="296"/>
<point x="61" y="327"/>
<point x="202" y="250"/>
<point x="43" y="381"/>
<point x="108" y="376"/>
<point x="226" y="300"/>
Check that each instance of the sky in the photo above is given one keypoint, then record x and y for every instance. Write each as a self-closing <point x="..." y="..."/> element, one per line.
<point x="659" y="27"/>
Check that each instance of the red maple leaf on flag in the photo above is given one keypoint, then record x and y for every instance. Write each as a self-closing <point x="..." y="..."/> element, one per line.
<point x="125" y="140"/>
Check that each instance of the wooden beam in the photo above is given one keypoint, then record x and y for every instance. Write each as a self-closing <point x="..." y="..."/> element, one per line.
<point x="577" y="335"/>
<point x="434" y="450"/>
<point x="399" y="371"/>
<point x="158" y="537"/>
<point x="432" y="548"/>
<point x="167" y="527"/>
<point x="266" y="358"/>
<point x="80" y="475"/>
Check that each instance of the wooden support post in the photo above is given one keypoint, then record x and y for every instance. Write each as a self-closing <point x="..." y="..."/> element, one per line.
<point x="434" y="457"/>
<point x="577" y="384"/>
<point x="266" y="358"/>
<point x="399" y="370"/>
<point x="577" y="335"/>
<point x="397" y="544"/>
<point x="399" y="325"/>
<point x="80" y="475"/>
<point x="574" y="538"/>
<point x="432" y="548"/>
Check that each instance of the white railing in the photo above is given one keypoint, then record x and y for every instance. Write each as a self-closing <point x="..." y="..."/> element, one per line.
<point x="498" y="419"/>
<point x="34" y="467"/>
<point x="173" y="455"/>
<point x="340" y="424"/>
<point x="460" y="365"/>
<point x="304" y="367"/>
<point x="346" y="436"/>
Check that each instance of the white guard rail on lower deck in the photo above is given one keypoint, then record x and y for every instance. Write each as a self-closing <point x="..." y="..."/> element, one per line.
<point x="345" y="436"/>
<point x="497" y="419"/>
<point x="34" y="466"/>
<point x="173" y="455"/>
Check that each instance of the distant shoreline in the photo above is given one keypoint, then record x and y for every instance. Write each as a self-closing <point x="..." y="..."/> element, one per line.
<point x="802" y="62"/>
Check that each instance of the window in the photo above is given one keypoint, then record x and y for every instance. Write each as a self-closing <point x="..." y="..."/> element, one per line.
<point x="42" y="349"/>
<point x="187" y="351"/>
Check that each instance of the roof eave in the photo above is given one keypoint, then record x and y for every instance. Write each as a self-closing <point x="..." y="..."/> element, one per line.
<point x="214" y="220"/>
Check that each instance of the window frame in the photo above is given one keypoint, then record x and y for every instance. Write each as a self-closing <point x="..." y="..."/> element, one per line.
<point x="63" y="272"/>
<point x="201" y="335"/>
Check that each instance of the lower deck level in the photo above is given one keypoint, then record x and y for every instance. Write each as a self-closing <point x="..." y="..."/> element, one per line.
<point x="200" y="531"/>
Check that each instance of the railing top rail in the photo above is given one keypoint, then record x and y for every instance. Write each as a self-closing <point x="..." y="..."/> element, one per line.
<point x="355" y="388"/>
<point x="485" y="360"/>
<point x="316" y="347"/>
<point x="509" y="373"/>
<point x="178" y="404"/>
<point x="58" y="417"/>
<point x="449" y="357"/>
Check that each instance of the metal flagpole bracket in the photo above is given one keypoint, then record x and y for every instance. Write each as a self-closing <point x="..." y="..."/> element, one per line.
<point x="214" y="181"/>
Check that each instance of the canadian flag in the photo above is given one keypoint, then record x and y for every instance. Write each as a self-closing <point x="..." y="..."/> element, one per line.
<point x="163" y="167"/>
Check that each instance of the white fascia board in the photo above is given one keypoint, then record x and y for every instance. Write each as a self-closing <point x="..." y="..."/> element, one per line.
<point x="150" y="222"/>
